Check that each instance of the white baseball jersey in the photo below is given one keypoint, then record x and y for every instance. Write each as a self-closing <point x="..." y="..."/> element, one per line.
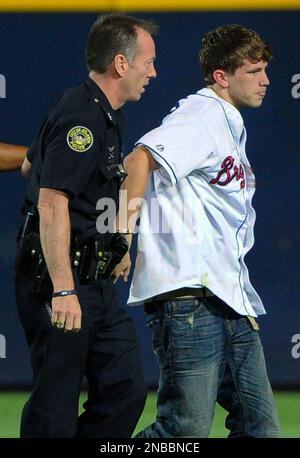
<point x="196" y="222"/>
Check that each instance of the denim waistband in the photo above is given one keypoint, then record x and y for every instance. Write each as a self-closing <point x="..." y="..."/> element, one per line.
<point x="212" y="303"/>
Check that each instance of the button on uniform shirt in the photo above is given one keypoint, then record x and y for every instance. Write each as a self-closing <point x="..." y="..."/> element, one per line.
<point x="76" y="152"/>
<point x="196" y="222"/>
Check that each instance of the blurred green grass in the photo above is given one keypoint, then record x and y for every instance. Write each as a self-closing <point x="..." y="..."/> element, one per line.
<point x="288" y="404"/>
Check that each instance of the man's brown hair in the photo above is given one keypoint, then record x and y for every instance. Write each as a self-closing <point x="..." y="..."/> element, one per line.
<point x="228" y="46"/>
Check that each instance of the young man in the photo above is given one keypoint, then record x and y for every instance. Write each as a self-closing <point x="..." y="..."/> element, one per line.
<point x="11" y="156"/>
<point x="190" y="269"/>
<point x="76" y="161"/>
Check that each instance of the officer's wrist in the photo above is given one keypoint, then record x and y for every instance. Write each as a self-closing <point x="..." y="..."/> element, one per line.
<point x="63" y="282"/>
<point x="64" y="292"/>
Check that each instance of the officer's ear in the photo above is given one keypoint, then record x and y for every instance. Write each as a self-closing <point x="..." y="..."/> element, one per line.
<point x="121" y="64"/>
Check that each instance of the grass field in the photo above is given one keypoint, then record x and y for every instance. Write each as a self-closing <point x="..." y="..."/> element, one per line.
<point x="288" y="404"/>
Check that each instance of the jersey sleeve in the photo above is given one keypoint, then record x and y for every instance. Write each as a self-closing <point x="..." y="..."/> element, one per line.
<point x="180" y="145"/>
<point x="71" y="155"/>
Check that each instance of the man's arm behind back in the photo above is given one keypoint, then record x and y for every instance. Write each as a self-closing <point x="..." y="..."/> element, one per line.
<point x="11" y="156"/>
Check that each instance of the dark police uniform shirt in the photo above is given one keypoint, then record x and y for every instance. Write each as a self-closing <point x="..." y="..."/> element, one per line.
<point x="77" y="152"/>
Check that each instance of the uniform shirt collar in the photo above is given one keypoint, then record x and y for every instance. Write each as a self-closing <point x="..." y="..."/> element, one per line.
<point x="99" y="97"/>
<point x="232" y="114"/>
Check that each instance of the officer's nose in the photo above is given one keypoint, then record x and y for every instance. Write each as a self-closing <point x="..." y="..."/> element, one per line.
<point x="152" y="73"/>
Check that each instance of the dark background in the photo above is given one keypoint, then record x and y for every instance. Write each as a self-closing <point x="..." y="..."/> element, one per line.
<point x="42" y="55"/>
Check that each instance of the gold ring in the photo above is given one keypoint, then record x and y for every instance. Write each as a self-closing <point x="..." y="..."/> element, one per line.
<point x="59" y="324"/>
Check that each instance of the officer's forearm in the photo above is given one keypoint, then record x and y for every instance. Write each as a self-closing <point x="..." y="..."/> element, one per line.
<point x="137" y="164"/>
<point x="11" y="156"/>
<point x="55" y="240"/>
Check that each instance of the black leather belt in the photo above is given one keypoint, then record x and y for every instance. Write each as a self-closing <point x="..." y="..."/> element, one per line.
<point x="183" y="294"/>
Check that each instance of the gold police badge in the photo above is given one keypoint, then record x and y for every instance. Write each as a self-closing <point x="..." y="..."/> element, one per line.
<point x="80" y="138"/>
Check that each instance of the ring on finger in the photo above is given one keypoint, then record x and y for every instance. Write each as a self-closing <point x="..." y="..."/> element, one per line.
<point x="59" y="324"/>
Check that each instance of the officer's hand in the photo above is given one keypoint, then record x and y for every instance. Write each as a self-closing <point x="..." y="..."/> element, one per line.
<point x="122" y="269"/>
<point x="66" y="313"/>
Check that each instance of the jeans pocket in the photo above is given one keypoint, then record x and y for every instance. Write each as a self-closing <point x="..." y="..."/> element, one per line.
<point x="181" y="309"/>
<point x="159" y="338"/>
<point x="157" y="342"/>
<point x="251" y="321"/>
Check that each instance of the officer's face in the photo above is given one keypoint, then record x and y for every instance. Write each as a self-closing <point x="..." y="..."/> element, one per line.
<point x="142" y="67"/>
<point x="248" y="85"/>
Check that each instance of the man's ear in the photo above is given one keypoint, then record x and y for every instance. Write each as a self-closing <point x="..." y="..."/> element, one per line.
<point x="220" y="77"/>
<point x="121" y="64"/>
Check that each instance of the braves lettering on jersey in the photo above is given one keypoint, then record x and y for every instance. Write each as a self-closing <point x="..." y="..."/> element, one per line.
<point x="196" y="223"/>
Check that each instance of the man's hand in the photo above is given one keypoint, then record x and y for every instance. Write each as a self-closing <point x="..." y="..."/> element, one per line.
<point x="66" y="313"/>
<point x="122" y="269"/>
<point x="25" y="168"/>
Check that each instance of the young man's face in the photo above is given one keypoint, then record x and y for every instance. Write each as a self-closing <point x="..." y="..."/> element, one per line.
<point x="142" y="69"/>
<point x="248" y="85"/>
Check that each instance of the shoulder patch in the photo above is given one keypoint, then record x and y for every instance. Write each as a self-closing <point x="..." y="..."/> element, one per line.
<point x="80" y="138"/>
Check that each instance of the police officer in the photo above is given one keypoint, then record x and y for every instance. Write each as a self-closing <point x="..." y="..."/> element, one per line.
<point x="74" y="325"/>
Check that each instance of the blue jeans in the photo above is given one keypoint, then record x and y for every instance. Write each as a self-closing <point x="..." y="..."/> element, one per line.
<point x="207" y="353"/>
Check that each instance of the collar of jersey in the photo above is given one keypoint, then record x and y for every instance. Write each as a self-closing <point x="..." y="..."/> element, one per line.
<point x="232" y="114"/>
<point x="111" y="114"/>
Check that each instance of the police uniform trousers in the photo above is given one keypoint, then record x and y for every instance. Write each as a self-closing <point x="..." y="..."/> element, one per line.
<point x="105" y="350"/>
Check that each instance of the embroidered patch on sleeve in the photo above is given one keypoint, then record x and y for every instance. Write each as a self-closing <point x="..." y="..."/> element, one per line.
<point x="80" y="138"/>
